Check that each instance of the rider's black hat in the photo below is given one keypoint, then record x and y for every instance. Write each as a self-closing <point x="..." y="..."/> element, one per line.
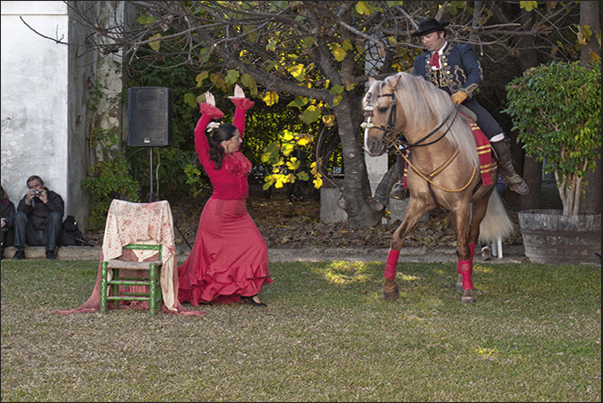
<point x="429" y="25"/>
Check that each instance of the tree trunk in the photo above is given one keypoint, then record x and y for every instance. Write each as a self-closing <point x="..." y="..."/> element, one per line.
<point x="530" y="170"/>
<point x="356" y="188"/>
<point x="589" y="15"/>
<point x="532" y="174"/>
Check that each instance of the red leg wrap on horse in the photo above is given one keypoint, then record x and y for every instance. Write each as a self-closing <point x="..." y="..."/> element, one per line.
<point x="392" y="262"/>
<point x="464" y="268"/>
<point x="472" y="250"/>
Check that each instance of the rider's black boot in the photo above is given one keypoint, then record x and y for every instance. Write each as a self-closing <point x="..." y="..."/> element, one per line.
<point x="506" y="169"/>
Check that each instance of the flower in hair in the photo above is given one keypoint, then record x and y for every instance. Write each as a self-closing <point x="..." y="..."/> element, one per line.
<point x="212" y="125"/>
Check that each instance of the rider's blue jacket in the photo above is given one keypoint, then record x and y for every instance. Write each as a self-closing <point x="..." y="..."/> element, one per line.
<point x="460" y="69"/>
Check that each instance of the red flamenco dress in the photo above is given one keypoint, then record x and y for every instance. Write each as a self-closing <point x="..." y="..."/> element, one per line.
<point x="229" y="259"/>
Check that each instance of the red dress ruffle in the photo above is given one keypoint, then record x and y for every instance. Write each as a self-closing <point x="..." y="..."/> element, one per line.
<point x="229" y="258"/>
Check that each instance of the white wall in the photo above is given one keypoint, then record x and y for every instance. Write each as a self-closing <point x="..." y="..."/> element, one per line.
<point x="44" y="97"/>
<point x="34" y="96"/>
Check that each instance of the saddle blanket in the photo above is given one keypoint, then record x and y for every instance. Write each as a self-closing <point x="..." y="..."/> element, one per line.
<point x="487" y="164"/>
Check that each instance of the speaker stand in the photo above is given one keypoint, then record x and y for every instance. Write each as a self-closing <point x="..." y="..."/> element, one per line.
<point x="150" y="195"/>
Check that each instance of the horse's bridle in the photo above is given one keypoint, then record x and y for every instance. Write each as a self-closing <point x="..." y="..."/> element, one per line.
<point x="390" y="137"/>
<point x="388" y="129"/>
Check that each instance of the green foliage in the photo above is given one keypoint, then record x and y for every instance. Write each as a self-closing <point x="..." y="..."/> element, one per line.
<point x="109" y="178"/>
<point x="557" y="110"/>
<point x="288" y="163"/>
<point x="106" y="181"/>
<point x="528" y="5"/>
<point x="194" y="178"/>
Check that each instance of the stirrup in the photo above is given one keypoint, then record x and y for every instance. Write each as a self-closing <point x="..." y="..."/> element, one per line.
<point x="399" y="192"/>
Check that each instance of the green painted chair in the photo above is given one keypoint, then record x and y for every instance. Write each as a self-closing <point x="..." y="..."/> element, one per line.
<point x="150" y="278"/>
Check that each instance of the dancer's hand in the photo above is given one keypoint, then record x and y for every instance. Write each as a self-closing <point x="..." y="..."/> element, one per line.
<point x="238" y="92"/>
<point x="209" y="98"/>
<point x="239" y="99"/>
<point x="209" y="107"/>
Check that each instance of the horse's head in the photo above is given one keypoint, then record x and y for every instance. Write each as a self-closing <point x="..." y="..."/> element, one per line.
<point x="380" y="123"/>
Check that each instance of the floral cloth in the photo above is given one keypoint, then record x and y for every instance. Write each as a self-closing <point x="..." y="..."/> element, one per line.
<point x="144" y="223"/>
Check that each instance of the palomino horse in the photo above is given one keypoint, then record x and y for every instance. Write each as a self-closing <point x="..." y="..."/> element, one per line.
<point x="443" y="167"/>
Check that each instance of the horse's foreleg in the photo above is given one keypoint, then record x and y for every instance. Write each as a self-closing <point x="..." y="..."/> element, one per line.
<point x="464" y="252"/>
<point x="465" y="270"/>
<point x="459" y="280"/>
<point x="413" y="214"/>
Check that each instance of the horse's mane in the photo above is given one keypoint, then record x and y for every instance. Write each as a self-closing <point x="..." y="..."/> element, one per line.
<point x="421" y="100"/>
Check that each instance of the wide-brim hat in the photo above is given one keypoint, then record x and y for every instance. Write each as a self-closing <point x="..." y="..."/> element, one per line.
<point x="429" y="25"/>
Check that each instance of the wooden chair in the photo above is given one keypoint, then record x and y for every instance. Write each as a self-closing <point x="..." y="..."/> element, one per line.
<point x="150" y="277"/>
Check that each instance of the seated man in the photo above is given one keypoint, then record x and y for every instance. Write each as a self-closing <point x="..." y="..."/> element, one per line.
<point x="39" y="219"/>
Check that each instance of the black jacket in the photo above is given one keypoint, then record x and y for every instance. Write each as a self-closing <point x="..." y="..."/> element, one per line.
<point x="8" y="212"/>
<point x="38" y="212"/>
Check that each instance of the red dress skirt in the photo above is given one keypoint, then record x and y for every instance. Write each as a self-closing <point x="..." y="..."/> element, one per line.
<point x="229" y="258"/>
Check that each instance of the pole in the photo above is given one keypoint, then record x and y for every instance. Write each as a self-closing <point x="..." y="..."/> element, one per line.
<point x="151" y="173"/>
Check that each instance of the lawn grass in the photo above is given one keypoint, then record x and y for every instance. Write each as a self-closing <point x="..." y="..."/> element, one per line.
<point x="326" y="335"/>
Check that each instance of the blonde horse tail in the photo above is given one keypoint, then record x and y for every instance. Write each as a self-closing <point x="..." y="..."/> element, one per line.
<point x="496" y="223"/>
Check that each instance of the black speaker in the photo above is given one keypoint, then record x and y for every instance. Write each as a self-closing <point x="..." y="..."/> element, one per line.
<point x="150" y="115"/>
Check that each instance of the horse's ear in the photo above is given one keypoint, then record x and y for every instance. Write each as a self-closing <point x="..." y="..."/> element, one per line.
<point x="371" y="80"/>
<point x="392" y="81"/>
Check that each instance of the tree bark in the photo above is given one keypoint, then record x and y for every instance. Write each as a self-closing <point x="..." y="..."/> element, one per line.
<point x="532" y="174"/>
<point x="356" y="188"/>
<point x="590" y="13"/>
<point x="530" y="170"/>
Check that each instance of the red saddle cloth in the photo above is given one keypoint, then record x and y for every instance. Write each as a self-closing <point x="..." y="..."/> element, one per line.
<point x="487" y="164"/>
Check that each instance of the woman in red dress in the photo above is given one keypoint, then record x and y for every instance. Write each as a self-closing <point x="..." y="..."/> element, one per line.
<point x="229" y="260"/>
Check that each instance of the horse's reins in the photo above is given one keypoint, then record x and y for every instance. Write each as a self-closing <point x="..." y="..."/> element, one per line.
<point x="389" y="136"/>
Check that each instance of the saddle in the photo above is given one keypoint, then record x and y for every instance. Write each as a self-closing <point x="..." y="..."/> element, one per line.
<point x="467" y="112"/>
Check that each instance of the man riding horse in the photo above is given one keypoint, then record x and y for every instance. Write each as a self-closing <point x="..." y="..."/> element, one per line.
<point x="456" y="70"/>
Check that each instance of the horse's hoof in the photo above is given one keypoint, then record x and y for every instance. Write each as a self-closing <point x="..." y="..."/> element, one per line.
<point x="459" y="283"/>
<point x="390" y="290"/>
<point x="391" y="295"/>
<point x="468" y="297"/>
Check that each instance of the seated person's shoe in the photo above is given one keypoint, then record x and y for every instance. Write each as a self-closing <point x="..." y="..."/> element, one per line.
<point x="252" y="302"/>
<point x="486" y="253"/>
<point x="19" y="254"/>
<point x="50" y="254"/>
<point x="398" y="192"/>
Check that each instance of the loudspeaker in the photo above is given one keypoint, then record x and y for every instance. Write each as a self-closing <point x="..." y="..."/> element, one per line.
<point x="150" y="115"/>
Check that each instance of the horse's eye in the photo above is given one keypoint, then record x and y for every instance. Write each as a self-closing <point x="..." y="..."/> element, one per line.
<point x="383" y="109"/>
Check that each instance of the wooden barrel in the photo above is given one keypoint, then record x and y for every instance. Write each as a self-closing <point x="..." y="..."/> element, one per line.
<point x="551" y="237"/>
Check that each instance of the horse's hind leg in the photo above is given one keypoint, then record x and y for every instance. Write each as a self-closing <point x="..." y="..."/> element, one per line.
<point x="464" y="268"/>
<point x="414" y="212"/>
<point x="479" y="209"/>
